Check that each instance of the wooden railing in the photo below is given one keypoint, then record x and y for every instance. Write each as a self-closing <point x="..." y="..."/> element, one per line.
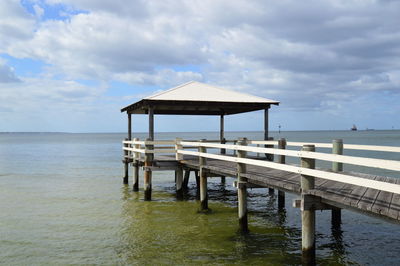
<point x="180" y="148"/>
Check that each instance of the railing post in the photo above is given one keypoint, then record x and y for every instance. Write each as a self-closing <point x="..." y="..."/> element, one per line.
<point x="126" y="164"/>
<point x="223" y="141"/>
<point x="203" y="179"/>
<point x="136" y="157"/>
<point x="148" y="162"/>
<point x="307" y="214"/>
<point x="337" y="148"/>
<point x="282" y="160"/>
<point x="242" y="189"/>
<point x="270" y="157"/>
<point x="178" y="146"/>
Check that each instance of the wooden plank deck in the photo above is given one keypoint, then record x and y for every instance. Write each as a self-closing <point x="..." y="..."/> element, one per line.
<point x="369" y="201"/>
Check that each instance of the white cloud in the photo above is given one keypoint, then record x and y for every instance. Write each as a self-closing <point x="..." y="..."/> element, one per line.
<point x="7" y="74"/>
<point x="15" y="24"/>
<point x="313" y="55"/>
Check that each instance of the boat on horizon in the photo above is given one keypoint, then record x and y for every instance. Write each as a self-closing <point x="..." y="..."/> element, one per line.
<point x="354" y="128"/>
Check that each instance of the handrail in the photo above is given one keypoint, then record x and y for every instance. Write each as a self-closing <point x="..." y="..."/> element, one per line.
<point x="269" y="142"/>
<point x="329" y="145"/>
<point x="389" y="187"/>
<point x="362" y="161"/>
<point x="180" y="146"/>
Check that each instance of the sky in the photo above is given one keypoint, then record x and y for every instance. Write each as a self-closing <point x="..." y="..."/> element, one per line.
<point x="71" y="65"/>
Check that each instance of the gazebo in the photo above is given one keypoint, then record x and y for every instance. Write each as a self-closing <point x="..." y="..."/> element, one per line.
<point x="196" y="98"/>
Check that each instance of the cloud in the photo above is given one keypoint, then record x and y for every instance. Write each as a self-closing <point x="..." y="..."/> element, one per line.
<point x="7" y="74"/>
<point x="16" y="24"/>
<point x="313" y="55"/>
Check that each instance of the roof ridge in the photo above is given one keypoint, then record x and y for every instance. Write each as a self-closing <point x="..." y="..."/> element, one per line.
<point x="169" y="90"/>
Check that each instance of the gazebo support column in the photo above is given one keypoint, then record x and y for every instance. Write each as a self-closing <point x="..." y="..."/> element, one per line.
<point x="129" y="126"/>
<point x="222" y="140"/>
<point x="266" y="124"/>
<point x="151" y="123"/>
<point x="126" y="160"/>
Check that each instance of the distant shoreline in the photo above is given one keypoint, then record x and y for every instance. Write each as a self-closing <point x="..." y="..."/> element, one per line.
<point x="273" y="131"/>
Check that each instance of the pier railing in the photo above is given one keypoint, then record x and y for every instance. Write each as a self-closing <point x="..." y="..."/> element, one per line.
<point x="184" y="147"/>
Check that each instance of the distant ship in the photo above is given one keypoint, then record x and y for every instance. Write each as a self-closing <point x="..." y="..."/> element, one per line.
<point x="354" y="128"/>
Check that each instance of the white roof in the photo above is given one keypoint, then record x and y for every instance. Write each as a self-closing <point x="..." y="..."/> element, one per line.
<point x="197" y="91"/>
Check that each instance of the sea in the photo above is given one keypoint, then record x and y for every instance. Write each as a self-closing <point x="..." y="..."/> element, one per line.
<point x="63" y="202"/>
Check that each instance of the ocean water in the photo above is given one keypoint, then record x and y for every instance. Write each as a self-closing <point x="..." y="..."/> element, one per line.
<point x="62" y="202"/>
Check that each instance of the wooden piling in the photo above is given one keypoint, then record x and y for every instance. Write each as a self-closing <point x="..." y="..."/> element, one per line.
<point x="136" y="167"/>
<point x="337" y="148"/>
<point x="186" y="179"/>
<point x="270" y="157"/>
<point x="179" y="171"/>
<point x="197" y="177"/>
<point x="282" y="160"/>
<point x="179" y="183"/>
<point x="203" y="180"/>
<point x="307" y="214"/>
<point x="148" y="162"/>
<point x="126" y="164"/>
<point x="242" y="189"/>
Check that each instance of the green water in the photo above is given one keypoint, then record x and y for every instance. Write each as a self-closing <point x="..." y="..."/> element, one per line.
<point x="62" y="202"/>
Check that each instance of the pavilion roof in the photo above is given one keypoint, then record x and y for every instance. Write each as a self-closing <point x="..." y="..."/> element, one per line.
<point x="196" y="98"/>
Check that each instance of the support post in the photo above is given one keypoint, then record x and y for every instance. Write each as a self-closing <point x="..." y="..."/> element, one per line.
<point x="136" y="167"/>
<point x="221" y="133"/>
<point x="337" y="148"/>
<point x="307" y="215"/>
<point x="129" y="126"/>
<point x="197" y="177"/>
<point x="148" y="162"/>
<point x="203" y="180"/>
<point x="266" y="124"/>
<point x="179" y="183"/>
<point x="151" y="123"/>
<point x="270" y="157"/>
<point x="282" y="160"/>
<point x="222" y="140"/>
<point x="186" y="179"/>
<point x="242" y="189"/>
<point x="126" y="164"/>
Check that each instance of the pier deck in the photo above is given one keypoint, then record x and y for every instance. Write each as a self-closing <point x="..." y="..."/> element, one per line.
<point x="374" y="202"/>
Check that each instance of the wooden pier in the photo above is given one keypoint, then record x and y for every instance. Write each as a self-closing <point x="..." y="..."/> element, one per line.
<point x="259" y="163"/>
<point x="329" y="189"/>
